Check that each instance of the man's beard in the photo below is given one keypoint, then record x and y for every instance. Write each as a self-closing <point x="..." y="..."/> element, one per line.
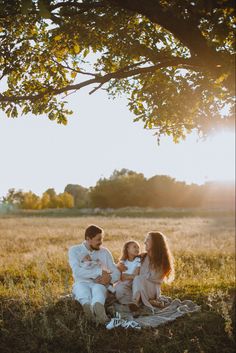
<point x="96" y="249"/>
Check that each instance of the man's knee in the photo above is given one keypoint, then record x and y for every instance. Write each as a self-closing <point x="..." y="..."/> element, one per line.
<point x="99" y="289"/>
<point x="82" y="293"/>
<point x="99" y="293"/>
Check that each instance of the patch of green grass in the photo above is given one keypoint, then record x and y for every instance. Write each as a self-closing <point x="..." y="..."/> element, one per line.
<point x="138" y="212"/>
<point x="34" y="274"/>
<point x="61" y="327"/>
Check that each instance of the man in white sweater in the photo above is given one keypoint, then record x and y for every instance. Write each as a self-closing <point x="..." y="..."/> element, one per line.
<point x="89" y="286"/>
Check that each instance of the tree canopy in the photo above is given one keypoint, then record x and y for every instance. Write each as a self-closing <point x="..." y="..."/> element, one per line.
<point x="174" y="60"/>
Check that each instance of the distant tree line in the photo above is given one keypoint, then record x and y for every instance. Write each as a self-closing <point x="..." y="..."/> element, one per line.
<point x="30" y="201"/>
<point x="126" y="188"/>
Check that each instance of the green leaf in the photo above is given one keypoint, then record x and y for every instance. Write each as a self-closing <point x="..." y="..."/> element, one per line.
<point x="76" y="48"/>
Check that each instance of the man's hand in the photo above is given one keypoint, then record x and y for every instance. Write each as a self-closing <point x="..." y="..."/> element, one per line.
<point x="104" y="279"/>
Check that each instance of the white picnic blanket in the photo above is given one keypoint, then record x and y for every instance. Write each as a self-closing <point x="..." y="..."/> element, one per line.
<point x="174" y="309"/>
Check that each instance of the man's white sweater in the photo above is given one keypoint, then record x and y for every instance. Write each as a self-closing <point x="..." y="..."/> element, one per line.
<point x="81" y="274"/>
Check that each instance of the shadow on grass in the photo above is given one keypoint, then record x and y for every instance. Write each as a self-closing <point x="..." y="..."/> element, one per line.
<point x="61" y="328"/>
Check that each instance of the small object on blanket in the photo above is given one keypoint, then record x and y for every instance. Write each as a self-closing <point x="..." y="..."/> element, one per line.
<point x="131" y="324"/>
<point x="118" y="322"/>
<point x="115" y="322"/>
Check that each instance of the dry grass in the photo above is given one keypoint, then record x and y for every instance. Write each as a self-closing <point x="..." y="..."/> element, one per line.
<point x="35" y="272"/>
<point x="29" y="236"/>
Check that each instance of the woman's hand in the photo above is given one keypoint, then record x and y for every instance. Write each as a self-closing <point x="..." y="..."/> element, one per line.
<point x="136" y="271"/>
<point x="121" y="267"/>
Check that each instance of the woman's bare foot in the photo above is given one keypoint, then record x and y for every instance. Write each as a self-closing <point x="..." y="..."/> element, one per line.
<point x="157" y="303"/>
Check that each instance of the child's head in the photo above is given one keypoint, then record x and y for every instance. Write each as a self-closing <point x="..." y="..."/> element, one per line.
<point x="86" y="258"/>
<point x="130" y="249"/>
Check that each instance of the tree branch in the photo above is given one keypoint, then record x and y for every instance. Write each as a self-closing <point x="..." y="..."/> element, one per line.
<point x="80" y="6"/>
<point x="74" y="70"/>
<point x="184" y="29"/>
<point x="119" y="74"/>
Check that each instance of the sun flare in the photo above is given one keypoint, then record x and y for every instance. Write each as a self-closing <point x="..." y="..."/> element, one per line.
<point x="220" y="151"/>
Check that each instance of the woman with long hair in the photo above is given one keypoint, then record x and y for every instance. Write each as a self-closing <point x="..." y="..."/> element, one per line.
<point x="156" y="267"/>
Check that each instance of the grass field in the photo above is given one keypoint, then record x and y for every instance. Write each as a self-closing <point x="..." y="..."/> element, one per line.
<point x="35" y="274"/>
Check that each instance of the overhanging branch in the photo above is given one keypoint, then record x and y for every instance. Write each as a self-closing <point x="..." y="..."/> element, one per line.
<point x="79" y="6"/>
<point x="101" y="80"/>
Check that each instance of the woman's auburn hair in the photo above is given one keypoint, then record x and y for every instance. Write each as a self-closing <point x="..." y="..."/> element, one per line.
<point x="124" y="253"/>
<point x="160" y="256"/>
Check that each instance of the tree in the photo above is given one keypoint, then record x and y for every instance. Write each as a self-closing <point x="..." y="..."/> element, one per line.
<point x="79" y="193"/>
<point x="160" y="191"/>
<point x="51" y="200"/>
<point x="30" y="201"/>
<point x="13" y="197"/>
<point x="45" y="200"/>
<point x="173" y="59"/>
<point x="124" y="188"/>
<point x="65" y="200"/>
<point x="50" y="194"/>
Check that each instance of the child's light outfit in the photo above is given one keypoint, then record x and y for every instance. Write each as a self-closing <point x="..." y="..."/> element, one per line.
<point x="85" y="290"/>
<point x="132" y="265"/>
<point x="147" y="283"/>
<point x="124" y="288"/>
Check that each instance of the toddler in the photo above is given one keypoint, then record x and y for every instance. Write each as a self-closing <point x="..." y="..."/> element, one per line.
<point x="130" y="259"/>
<point x="88" y="263"/>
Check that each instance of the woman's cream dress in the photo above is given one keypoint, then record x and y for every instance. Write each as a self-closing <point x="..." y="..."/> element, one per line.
<point x="147" y="284"/>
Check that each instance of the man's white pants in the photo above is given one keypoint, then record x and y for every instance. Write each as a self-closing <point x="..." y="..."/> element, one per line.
<point x="89" y="293"/>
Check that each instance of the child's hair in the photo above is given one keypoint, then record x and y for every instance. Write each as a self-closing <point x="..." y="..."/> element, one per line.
<point x="124" y="254"/>
<point x="161" y="256"/>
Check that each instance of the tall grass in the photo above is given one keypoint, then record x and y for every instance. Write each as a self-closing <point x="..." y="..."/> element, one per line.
<point x="35" y="277"/>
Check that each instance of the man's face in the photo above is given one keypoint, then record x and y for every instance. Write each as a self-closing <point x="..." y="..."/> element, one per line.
<point x="95" y="242"/>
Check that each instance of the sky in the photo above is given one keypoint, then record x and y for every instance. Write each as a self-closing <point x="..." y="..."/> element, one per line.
<point x="37" y="153"/>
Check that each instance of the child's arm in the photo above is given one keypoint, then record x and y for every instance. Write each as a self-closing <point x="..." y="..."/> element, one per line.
<point x="121" y="267"/>
<point x="126" y="277"/>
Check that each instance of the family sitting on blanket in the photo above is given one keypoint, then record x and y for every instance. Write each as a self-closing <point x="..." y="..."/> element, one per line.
<point x="135" y="280"/>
